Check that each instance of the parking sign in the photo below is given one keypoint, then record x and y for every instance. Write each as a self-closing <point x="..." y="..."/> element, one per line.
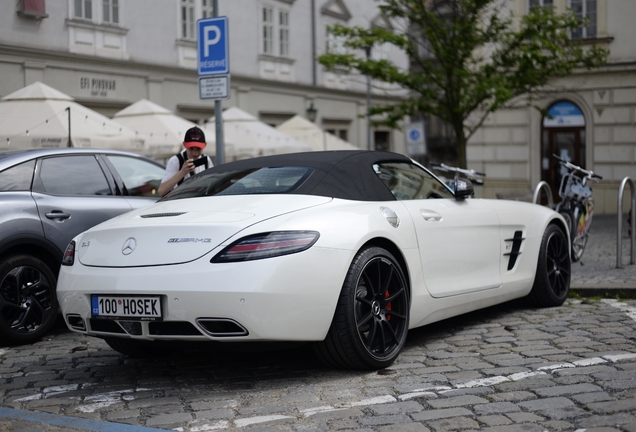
<point x="213" y="46"/>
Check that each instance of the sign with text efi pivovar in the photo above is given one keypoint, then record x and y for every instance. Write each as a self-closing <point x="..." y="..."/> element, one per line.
<point x="213" y="52"/>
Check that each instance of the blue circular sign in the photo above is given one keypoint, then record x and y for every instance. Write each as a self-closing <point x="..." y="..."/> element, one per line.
<point x="414" y="135"/>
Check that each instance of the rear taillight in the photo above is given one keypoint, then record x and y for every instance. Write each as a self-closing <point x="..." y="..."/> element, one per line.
<point x="69" y="254"/>
<point x="267" y="245"/>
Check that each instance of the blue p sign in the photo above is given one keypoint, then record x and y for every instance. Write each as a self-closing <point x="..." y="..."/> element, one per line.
<point x="213" y="46"/>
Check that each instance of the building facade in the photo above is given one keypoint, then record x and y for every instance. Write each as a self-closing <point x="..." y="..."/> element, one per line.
<point x="108" y="54"/>
<point x="592" y="121"/>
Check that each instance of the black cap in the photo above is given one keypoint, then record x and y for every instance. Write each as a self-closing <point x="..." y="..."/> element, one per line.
<point x="194" y="137"/>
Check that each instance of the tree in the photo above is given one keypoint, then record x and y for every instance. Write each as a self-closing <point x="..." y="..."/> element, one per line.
<point x="468" y="58"/>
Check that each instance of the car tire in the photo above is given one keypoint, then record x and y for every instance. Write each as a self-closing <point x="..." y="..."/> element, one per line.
<point x="28" y="302"/>
<point x="552" y="279"/>
<point x="371" y="320"/>
<point x="136" y="348"/>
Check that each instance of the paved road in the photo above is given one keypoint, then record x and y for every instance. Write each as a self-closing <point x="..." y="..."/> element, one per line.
<point x="506" y="368"/>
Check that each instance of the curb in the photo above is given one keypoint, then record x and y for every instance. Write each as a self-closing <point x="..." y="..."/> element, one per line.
<point x="617" y="292"/>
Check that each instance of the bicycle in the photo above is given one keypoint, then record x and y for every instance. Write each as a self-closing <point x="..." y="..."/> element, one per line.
<point x="577" y="204"/>
<point x="472" y="175"/>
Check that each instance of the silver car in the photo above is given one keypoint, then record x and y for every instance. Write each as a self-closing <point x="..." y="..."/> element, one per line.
<point x="48" y="196"/>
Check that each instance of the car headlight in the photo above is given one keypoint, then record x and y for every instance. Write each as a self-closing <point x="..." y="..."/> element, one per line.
<point x="69" y="254"/>
<point x="267" y="245"/>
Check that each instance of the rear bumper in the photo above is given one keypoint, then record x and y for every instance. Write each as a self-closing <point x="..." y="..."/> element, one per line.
<point x="288" y="298"/>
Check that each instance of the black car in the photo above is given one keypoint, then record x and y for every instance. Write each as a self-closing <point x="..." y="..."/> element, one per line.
<point x="48" y="196"/>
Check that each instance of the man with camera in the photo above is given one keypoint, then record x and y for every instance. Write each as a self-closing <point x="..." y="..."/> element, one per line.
<point x="187" y="163"/>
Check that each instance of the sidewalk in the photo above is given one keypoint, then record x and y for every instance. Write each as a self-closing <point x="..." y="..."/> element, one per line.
<point x="596" y="273"/>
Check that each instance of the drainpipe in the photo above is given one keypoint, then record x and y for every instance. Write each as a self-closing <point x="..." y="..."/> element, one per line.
<point x="313" y="42"/>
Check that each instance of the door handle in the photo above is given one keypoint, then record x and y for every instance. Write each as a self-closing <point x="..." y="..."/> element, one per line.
<point x="57" y="214"/>
<point x="430" y="215"/>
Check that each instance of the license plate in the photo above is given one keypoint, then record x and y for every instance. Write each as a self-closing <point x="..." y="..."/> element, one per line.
<point x="146" y="308"/>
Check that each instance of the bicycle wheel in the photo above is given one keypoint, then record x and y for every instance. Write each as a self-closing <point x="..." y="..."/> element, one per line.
<point x="578" y="246"/>
<point x="577" y="242"/>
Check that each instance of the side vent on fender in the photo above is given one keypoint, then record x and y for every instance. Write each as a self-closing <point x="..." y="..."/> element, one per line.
<point x="514" y="249"/>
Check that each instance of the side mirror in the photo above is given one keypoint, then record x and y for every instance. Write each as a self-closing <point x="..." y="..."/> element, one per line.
<point x="463" y="189"/>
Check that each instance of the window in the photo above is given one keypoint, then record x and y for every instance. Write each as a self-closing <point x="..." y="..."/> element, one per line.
<point x="283" y="30"/>
<point x="268" y="31"/>
<point x="189" y="12"/>
<point x="337" y="127"/>
<point x="409" y="182"/>
<point x="84" y="9"/>
<point x="275" y="34"/>
<point x="335" y="44"/>
<point x="140" y="178"/>
<point x="187" y="19"/>
<point x="207" y="10"/>
<point x="540" y="3"/>
<point x="17" y="178"/>
<point x="584" y="9"/>
<point x="110" y="11"/>
<point x="343" y="134"/>
<point x="55" y="176"/>
<point x="98" y="11"/>
<point x="32" y="9"/>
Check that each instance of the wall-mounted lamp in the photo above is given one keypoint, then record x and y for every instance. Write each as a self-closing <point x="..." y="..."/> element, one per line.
<point x="311" y="113"/>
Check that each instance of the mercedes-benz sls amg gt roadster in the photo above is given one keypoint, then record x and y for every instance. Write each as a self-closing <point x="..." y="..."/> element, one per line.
<point x="347" y="250"/>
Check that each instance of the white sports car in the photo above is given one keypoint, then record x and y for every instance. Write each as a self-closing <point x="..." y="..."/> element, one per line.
<point x="347" y="250"/>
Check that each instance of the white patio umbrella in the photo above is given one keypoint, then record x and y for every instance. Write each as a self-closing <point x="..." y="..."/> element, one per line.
<point x="310" y="133"/>
<point x="164" y="131"/>
<point x="251" y="137"/>
<point x="39" y="116"/>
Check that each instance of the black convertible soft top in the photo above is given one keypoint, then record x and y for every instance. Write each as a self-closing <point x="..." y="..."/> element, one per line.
<point x="346" y="174"/>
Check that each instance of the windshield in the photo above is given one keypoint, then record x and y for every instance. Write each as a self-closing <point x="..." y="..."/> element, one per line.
<point x="278" y="180"/>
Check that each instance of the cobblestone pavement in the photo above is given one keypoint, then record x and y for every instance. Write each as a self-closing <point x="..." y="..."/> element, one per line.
<point x="598" y="271"/>
<point x="506" y="368"/>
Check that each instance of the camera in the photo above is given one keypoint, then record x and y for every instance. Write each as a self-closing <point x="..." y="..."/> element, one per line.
<point x="199" y="161"/>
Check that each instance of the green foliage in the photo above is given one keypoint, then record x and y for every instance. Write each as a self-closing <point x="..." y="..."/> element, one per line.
<point x="468" y="57"/>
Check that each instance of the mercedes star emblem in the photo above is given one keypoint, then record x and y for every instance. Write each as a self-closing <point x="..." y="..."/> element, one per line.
<point x="129" y="246"/>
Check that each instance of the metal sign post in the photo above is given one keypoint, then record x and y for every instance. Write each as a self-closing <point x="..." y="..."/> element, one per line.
<point x="213" y="67"/>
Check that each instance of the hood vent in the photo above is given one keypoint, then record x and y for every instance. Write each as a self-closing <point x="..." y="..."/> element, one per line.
<point x="156" y="215"/>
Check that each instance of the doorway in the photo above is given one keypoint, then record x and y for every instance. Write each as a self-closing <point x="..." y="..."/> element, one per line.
<point x="382" y="140"/>
<point x="563" y="134"/>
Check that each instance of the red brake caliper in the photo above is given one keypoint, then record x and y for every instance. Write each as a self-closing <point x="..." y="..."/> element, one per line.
<point x="388" y="306"/>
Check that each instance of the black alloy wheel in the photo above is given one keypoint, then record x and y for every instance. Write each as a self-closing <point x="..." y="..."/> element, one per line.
<point x="28" y="302"/>
<point x="552" y="279"/>
<point x="372" y="316"/>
